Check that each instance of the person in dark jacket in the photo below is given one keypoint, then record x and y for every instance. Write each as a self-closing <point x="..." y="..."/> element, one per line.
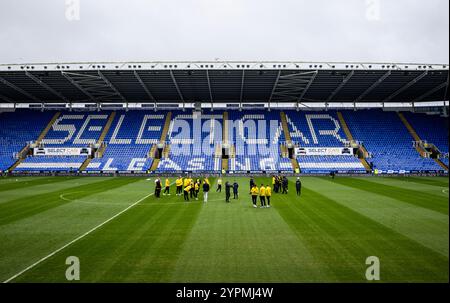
<point x="284" y="185"/>
<point x="298" y="186"/>
<point x="205" y="191"/>
<point x="227" y="191"/>
<point x="252" y="183"/>
<point x="235" y="190"/>
<point x="158" y="187"/>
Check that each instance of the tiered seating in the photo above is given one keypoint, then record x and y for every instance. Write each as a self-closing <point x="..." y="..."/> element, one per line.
<point x="387" y="139"/>
<point x="433" y="129"/>
<point x="325" y="164"/>
<point x="257" y="136"/>
<point x="76" y="129"/>
<point x="16" y="129"/>
<point x="71" y="129"/>
<point x="51" y="163"/>
<point x="192" y="139"/>
<point x="320" y="129"/>
<point x="130" y="138"/>
<point x="315" y="129"/>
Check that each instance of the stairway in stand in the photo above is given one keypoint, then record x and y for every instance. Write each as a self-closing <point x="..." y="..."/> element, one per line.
<point x="287" y="135"/>
<point x="100" y="140"/>
<point x="349" y="136"/>
<point x="162" y="140"/>
<point x="416" y="138"/>
<point x="225" y="139"/>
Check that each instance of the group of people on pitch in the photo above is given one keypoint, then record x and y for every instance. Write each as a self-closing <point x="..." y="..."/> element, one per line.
<point x="280" y="184"/>
<point x="228" y="187"/>
<point x="190" y="188"/>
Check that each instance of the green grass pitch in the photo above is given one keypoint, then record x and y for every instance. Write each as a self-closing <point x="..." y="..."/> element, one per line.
<point x="324" y="236"/>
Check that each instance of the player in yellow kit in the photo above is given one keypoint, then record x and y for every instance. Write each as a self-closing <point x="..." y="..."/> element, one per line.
<point x="179" y="184"/>
<point x="166" y="189"/>
<point x="254" y="192"/>
<point x="187" y="189"/>
<point x="186" y="182"/>
<point x="262" y="196"/>
<point x="268" y="195"/>
<point x="196" y="189"/>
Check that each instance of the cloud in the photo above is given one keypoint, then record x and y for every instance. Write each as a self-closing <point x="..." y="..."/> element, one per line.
<point x="133" y="30"/>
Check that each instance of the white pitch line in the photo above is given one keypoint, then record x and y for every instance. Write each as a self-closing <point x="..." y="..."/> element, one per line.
<point x="76" y="239"/>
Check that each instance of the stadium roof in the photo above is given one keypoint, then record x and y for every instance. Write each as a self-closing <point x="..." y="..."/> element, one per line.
<point x="220" y="81"/>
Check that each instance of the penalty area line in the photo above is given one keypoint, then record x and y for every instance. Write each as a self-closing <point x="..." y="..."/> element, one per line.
<point x="76" y="239"/>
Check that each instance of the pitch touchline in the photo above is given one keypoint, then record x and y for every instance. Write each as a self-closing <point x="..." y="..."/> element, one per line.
<point x="76" y="239"/>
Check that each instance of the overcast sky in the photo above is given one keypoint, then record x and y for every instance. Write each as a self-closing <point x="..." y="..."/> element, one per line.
<point x="400" y="31"/>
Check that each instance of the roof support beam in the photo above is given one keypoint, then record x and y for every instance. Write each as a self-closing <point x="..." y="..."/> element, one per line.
<point x="44" y="85"/>
<point x="138" y="77"/>
<point x="241" y="95"/>
<point x="448" y="82"/>
<point x="405" y="87"/>
<point x="430" y="92"/>
<point x="177" y="87"/>
<point x="307" y="87"/>
<point x="274" y="86"/>
<point x="23" y="92"/>
<point x="111" y="86"/>
<point x="209" y="87"/>
<point x="6" y="99"/>
<point x="344" y="81"/>
<point x="74" y="83"/>
<point x="373" y="86"/>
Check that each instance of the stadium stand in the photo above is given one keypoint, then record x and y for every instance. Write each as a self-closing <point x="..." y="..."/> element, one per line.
<point x="69" y="130"/>
<point x="16" y="130"/>
<point x="131" y="136"/>
<point x="321" y="129"/>
<point x="387" y="139"/>
<point x="433" y="130"/>
<point x="191" y="136"/>
<point x="257" y="136"/>
<point x="126" y="140"/>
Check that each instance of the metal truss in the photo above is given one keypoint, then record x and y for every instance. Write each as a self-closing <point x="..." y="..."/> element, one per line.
<point x="241" y="95"/>
<point x="344" y="81"/>
<point x="373" y="86"/>
<point x="430" y="92"/>
<point x="23" y="92"/>
<point x="176" y="86"/>
<point x="47" y="87"/>
<point x="96" y="87"/>
<point x="209" y="87"/>
<point x="144" y="86"/>
<point x="291" y="87"/>
<point x="6" y="99"/>
<point x="405" y="87"/>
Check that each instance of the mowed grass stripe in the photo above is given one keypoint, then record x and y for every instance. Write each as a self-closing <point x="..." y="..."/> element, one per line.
<point x="24" y="207"/>
<point x="235" y="242"/>
<point x="435" y="181"/>
<point x="141" y="245"/>
<point x="424" y="226"/>
<point x="432" y="189"/>
<point x="328" y="241"/>
<point x="13" y="185"/>
<point x="28" y="240"/>
<point x="415" y="197"/>
<point x="36" y="190"/>
<point x="342" y="239"/>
